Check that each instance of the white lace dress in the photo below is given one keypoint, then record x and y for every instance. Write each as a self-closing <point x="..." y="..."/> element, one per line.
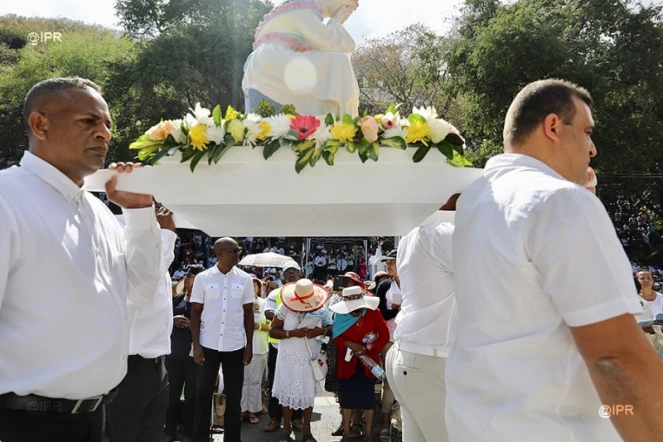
<point x="294" y="384"/>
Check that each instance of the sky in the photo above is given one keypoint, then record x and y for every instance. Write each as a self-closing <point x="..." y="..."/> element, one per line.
<point x="373" y="19"/>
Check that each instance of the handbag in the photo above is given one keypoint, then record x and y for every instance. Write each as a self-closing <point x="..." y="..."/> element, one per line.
<point x="318" y="364"/>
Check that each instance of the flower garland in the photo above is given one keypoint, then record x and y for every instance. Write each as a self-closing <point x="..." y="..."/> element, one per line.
<point x="202" y="132"/>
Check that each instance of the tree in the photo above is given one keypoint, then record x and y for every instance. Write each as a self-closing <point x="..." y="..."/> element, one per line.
<point x="85" y="51"/>
<point x="406" y="68"/>
<point x="614" y="48"/>
<point x="193" y="57"/>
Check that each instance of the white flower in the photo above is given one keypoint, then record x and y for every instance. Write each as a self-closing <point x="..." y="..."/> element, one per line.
<point x="396" y="131"/>
<point x="428" y="113"/>
<point x="215" y="133"/>
<point x="280" y="125"/>
<point x="200" y="115"/>
<point x="439" y="130"/>
<point x="177" y="134"/>
<point x="322" y="134"/>
<point x="253" y="129"/>
<point x="389" y="120"/>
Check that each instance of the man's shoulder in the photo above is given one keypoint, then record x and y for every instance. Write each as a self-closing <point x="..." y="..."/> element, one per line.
<point x="241" y="273"/>
<point x="13" y="182"/>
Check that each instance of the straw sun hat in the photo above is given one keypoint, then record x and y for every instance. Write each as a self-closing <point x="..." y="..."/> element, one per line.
<point x="353" y="299"/>
<point x="303" y="296"/>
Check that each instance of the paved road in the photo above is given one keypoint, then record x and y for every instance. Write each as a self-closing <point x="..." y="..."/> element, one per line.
<point x="325" y="420"/>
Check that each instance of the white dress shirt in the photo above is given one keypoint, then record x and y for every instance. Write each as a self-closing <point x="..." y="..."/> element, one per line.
<point x="151" y="325"/>
<point x="656" y="305"/>
<point x="66" y="270"/>
<point x="428" y="310"/>
<point x="223" y="298"/>
<point x="533" y="255"/>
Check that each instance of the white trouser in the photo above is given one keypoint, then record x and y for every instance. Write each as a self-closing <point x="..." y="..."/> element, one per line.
<point x="252" y="388"/>
<point x="418" y="384"/>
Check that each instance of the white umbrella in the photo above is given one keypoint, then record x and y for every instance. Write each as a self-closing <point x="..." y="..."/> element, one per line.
<point x="269" y="259"/>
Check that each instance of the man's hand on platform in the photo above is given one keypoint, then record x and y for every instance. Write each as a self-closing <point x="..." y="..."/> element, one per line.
<point x="126" y="200"/>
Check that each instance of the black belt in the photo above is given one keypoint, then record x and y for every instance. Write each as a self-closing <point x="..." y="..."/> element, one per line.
<point x="36" y="404"/>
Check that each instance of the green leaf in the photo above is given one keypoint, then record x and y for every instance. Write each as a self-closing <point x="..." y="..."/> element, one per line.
<point x="270" y="148"/>
<point x="303" y="160"/>
<point x="363" y="157"/>
<point x="374" y="151"/>
<point x="365" y="113"/>
<point x="420" y="153"/>
<point x="351" y="147"/>
<point x="397" y="142"/>
<point x="218" y="153"/>
<point x="291" y="135"/>
<point x="142" y="144"/>
<point x="304" y="146"/>
<point x="210" y="152"/>
<point x="145" y="153"/>
<point x="391" y="109"/>
<point x="157" y="156"/>
<point x="315" y="157"/>
<point x="459" y="161"/>
<point x="347" y="119"/>
<point x="216" y="115"/>
<point x="328" y="156"/>
<point x="187" y="154"/>
<point x="454" y="139"/>
<point x="363" y="145"/>
<point x="228" y="140"/>
<point x="416" y="118"/>
<point x="329" y="120"/>
<point x="196" y="158"/>
<point x="446" y="149"/>
<point x="332" y="144"/>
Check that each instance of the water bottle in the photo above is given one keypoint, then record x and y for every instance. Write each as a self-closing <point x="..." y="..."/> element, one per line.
<point x="369" y="363"/>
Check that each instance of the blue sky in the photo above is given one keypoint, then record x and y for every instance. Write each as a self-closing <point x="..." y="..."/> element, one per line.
<point x="374" y="18"/>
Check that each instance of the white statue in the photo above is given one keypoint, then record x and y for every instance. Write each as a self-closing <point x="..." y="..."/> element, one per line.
<point x="299" y="60"/>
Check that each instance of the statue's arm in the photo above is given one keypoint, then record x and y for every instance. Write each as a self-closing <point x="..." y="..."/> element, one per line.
<point x="330" y="37"/>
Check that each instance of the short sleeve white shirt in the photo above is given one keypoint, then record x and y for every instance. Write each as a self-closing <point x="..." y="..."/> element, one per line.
<point x="428" y="309"/>
<point x="656" y="305"/>
<point x="533" y="255"/>
<point x="223" y="298"/>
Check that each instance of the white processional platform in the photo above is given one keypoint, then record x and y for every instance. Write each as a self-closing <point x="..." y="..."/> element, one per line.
<point x="246" y="195"/>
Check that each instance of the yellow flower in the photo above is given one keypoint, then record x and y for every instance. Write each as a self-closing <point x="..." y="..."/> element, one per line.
<point x="265" y="129"/>
<point x="197" y="135"/>
<point x="236" y="129"/>
<point x="418" y="132"/>
<point x="231" y="113"/>
<point x="343" y="131"/>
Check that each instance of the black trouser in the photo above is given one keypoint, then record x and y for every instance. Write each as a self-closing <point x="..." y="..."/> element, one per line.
<point x="28" y="426"/>
<point x="137" y="413"/>
<point x="181" y="375"/>
<point x="275" y="409"/>
<point x="233" y="379"/>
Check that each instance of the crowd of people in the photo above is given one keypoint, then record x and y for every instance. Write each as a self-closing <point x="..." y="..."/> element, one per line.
<point x="635" y="224"/>
<point x="514" y="322"/>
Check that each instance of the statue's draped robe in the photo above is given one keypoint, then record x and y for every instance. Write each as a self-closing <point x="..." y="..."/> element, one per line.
<point x="299" y="60"/>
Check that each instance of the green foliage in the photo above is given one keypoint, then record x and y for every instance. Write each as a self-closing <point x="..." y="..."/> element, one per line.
<point x="265" y="109"/>
<point x="85" y="51"/>
<point x="288" y="109"/>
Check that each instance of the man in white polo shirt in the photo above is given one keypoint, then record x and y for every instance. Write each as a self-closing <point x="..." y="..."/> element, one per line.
<point x="547" y="347"/>
<point x="222" y="334"/>
<point x="424" y="328"/>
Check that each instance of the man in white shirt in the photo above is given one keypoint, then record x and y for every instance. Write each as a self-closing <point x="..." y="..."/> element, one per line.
<point x="424" y="329"/>
<point x="546" y="344"/>
<point x="137" y="413"/>
<point x="320" y="262"/>
<point x="291" y="273"/>
<point x="67" y="270"/>
<point x="222" y="333"/>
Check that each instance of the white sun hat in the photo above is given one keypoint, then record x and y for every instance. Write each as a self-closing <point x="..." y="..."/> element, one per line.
<point x="303" y="296"/>
<point x="353" y="299"/>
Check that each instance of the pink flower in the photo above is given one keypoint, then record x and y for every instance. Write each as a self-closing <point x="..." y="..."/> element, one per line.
<point x="304" y="126"/>
<point x="369" y="127"/>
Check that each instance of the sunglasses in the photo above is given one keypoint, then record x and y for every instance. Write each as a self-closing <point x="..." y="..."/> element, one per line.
<point x="236" y="251"/>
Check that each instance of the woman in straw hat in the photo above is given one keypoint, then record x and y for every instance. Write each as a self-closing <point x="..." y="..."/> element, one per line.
<point x="356" y="316"/>
<point x="298" y="322"/>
